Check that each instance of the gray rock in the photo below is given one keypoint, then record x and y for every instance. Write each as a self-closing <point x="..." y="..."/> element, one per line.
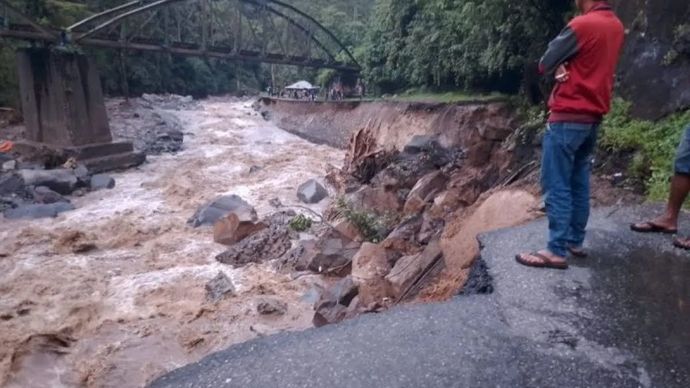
<point x="81" y="172"/>
<point x="35" y="211"/>
<point x="311" y="192"/>
<point x="328" y="313"/>
<point x="408" y="269"/>
<point x="219" y="287"/>
<point x="344" y="291"/>
<point x="221" y="207"/>
<point x="9" y="165"/>
<point x="270" y="306"/>
<point x="63" y="181"/>
<point x="255" y="169"/>
<point x="101" y="181"/>
<point x="47" y="196"/>
<point x="11" y="184"/>
<point x="420" y="143"/>
<point x="268" y="244"/>
<point x="333" y="253"/>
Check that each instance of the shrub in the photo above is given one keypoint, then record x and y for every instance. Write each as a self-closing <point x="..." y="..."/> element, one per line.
<point x="374" y="228"/>
<point x="654" y="142"/>
<point x="300" y="223"/>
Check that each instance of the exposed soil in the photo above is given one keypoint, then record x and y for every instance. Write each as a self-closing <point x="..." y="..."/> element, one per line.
<point x="113" y="293"/>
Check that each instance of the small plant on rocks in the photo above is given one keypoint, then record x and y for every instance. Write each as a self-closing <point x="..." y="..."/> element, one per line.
<point x="300" y="223"/>
<point x="374" y="228"/>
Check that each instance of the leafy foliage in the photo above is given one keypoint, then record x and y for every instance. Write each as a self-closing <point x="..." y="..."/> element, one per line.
<point x="483" y="44"/>
<point x="654" y="142"/>
<point x="374" y="228"/>
<point x="300" y="223"/>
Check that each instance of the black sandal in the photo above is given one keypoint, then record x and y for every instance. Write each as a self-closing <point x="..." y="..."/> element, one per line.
<point x="682" y="243"/>
<point x="545" y="262"/>
<point x="651" y="227"/>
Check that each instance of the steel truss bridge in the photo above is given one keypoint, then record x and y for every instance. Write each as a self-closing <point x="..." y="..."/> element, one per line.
<point x="259" y="31"/>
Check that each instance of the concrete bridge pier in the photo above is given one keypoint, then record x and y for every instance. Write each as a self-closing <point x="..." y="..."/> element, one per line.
<point x="64" y="111"/>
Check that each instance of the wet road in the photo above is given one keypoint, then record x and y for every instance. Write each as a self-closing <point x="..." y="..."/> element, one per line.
<point x="620" y="318"/>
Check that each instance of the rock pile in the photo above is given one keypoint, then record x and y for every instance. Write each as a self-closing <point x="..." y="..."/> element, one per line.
<point x="151" y="128"/>
<point x="388" y="224"/>
<point x="27" y="191"/>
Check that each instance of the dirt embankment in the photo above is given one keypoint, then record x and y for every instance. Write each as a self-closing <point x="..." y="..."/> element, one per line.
<point x="393" y="124"/>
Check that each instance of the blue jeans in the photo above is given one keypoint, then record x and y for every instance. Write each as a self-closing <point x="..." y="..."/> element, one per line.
<point x="565" y="171"/>
<point x="682" y="164"/>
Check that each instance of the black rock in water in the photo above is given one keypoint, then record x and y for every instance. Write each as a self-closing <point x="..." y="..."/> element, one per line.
<point x="219" y="287"/>
<point x="221" y="207"/>
<point x="101" y="181"/>
<point x="35" y="211"/>
<point x="47" y="196"/>
<point x="311" y="192"/>
<point x="63" y="181"/>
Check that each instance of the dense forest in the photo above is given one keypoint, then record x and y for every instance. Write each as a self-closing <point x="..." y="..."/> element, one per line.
<point x="484" y="45"/>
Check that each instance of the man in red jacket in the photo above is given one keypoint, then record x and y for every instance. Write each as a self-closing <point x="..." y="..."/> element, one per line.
<point x="584" y="58"/>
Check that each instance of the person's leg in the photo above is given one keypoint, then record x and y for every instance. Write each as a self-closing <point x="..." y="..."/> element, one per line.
<point x="680" y="187"/>
<point x="580" y="183"/>
<point x="556" y="169"/>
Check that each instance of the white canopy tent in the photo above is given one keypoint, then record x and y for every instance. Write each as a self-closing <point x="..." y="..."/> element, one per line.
<point x="302" y="85"/>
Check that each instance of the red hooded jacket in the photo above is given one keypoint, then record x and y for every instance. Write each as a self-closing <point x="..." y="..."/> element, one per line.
<point x="590" y="46"/>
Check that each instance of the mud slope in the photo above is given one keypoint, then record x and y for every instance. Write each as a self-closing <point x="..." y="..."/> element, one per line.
<point x="393" y="123"/>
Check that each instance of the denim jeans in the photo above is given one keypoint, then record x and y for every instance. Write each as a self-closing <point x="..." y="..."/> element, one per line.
<point x="565" y="173"/>
<point x="682" y="164"/>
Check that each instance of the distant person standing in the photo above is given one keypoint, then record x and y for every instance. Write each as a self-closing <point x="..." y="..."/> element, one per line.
<point x="583" y="59"/>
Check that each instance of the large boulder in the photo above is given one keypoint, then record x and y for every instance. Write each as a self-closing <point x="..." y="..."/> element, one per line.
<point x="404" y="172"/>
<point x="299" y="257"/>
<point x="11" y="184"/>
<point x="369" y="267"/>
<point x="101" y="181"/>
<point x="311" y="191"/>
<point x="333" y="253"/>
<point x="408" y="269"/>
<point x="336" y="303"/>
<point x="47" y="196"/>
<point x="375" y="200"/>
<point x="424" y="192"/>
<point x="221" y="207"/>
<point x="34" y="211"/>
<point x="230" y="230"/>
<point x="268" y="244"/>
<point x="63" y="181"/>
<point x="349" y="230"/>
<point x="403" y="238"/>
<point x="421" y="143"/>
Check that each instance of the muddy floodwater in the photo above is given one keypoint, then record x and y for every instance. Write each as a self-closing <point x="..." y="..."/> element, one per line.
<point x="136" y="306"/>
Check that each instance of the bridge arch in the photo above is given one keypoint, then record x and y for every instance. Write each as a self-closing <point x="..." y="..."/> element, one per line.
<point x="268" y="31"/>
